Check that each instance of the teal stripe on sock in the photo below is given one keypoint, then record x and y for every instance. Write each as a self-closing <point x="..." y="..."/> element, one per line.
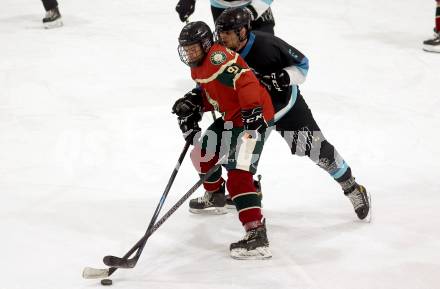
<point x="340" y="171"/>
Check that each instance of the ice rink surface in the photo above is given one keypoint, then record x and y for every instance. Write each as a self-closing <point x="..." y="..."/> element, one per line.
<point x="87" y="143"/>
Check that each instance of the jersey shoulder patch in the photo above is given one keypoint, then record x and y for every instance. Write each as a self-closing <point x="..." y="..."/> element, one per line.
<point x="218" y="57"/>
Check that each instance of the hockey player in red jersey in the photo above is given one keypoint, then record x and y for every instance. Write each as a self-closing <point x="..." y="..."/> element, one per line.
<point x="226" y="84"/>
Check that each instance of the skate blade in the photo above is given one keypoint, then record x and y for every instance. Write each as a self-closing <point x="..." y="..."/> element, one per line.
<point x="54" y="24"/>
<point x="261" y="253"/>
<point x="429" y="48"/>
<point x="210" y="211"/>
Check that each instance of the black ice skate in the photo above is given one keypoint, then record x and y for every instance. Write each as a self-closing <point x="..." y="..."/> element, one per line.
<point x="213" y="203"/>
<point x="433" y="44"/>
<point x="360" y="200"/>
<point x="254" y="245"/>
<point x="257" y="183"/>
<point x="52" y="19"/>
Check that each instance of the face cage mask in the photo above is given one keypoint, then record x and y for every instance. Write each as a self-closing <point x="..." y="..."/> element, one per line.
<point x="205" y="43"/>
<point x="185" y="59"/>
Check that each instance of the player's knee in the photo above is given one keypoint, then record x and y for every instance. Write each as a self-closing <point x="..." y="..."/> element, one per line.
<point x="203" y="160"/>
<point x="239" y="182"/>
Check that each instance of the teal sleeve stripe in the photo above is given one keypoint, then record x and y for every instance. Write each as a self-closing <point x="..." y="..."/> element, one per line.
<point x="303" y="66"/>
<point x="223" y="5"/>
<point x="289" y="106"/>
<point x="340" y="171"/>
<point x="268" y="2"/>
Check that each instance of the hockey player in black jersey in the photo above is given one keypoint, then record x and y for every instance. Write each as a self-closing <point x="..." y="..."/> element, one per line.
<point x="281" y="68"/>
<point x="259" y="11"/>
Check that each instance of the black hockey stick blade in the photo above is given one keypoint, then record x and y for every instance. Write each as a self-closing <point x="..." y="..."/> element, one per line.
<point x="117" y="262"/>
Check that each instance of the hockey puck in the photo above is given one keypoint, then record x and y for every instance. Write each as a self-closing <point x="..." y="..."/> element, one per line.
<point x="106" y="282"/>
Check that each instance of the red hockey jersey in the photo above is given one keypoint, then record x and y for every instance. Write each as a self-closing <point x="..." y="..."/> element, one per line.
<point x="229" y="85"/>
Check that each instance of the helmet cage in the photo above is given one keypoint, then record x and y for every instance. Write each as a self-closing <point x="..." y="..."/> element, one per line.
<point x="193" y="33"/>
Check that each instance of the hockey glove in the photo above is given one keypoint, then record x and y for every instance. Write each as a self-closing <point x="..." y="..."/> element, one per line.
<point x="189" y="112"/>
<point x="276" y="81"/>
<point x="253" y="121"/>
<point x="185" y="8"/>
<point x="190" y="126"/>
<point x="189" y="104"/>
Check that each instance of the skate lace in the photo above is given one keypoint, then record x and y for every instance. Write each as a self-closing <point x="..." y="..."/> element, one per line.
<point x="52" y="13"/>
<point x="357" y="199"/>
<point x="205" y="199"/>
<point x="249" y="235"/>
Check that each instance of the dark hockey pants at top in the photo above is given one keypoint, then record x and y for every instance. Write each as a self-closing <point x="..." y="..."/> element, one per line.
<point x="304" y="137"/>
<point x="49" y="4"/>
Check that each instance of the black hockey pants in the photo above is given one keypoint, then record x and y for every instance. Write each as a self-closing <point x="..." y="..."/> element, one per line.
<point x="304" y="137"/>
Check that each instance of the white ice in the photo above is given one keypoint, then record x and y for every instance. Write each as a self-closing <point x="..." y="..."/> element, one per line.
<point x="87" y="143"/>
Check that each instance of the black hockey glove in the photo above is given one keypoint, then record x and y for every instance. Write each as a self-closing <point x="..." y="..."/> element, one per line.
<point x="276" y="81"/>
<point x="189" y="112"/>
<point x="253" y="121"/>
<point x="185" y="8"/>
<point x="189" y="104"/>
<point x="190" y="126"/>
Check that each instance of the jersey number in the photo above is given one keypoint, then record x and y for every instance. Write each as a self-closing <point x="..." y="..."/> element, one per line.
<point x="233" y="69"/>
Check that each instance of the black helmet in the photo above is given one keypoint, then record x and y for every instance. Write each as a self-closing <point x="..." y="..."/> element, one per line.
<point x="233" y="18"/>
<point x="195" y="32"/>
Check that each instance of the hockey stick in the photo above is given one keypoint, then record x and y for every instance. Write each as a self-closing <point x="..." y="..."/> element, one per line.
<point x="167" y="189"/>
<point x="125" y="262"/>
<point x="108" y="260"/>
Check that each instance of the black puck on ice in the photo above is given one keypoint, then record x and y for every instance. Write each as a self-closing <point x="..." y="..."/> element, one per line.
<point x="106" y="282"/>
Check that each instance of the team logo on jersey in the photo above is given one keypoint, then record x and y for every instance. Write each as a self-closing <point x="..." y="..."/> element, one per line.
<point x="218" y="57"/>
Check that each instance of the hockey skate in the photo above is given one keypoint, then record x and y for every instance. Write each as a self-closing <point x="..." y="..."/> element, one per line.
<point x="433" y="44"/>
<point x="52" y="19"/>
<point x="212" y="203"/>
<point x="361" y="200"/>
<point x="254" y="245"/>
<point x="257" y="183"/>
